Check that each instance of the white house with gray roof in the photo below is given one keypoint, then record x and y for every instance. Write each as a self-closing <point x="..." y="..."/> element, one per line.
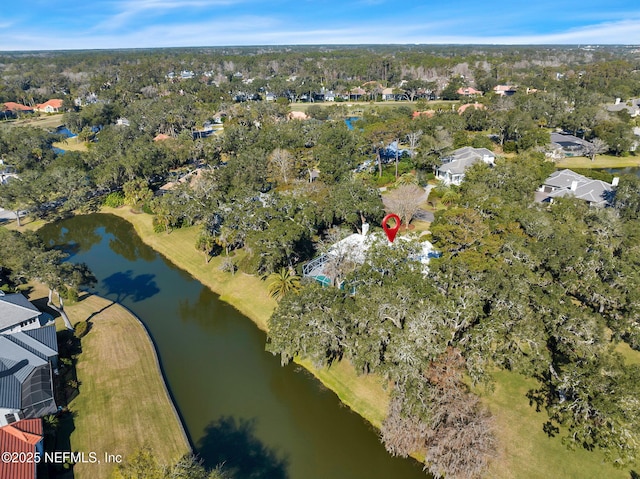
<point x="18" y="314"/>
<point x="454" y="165"/>
<point x="564" y="144"/>
<point x="28" y="359"/>
<point x="567" y="183"/>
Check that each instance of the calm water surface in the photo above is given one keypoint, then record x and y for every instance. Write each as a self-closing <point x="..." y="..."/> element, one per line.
<point x="239" y="406"/>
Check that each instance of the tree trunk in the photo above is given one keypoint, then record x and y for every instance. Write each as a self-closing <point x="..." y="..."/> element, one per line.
<point x="18" y="218"/>
<point x="60" y="309"/>
<point x="397" y="149"/>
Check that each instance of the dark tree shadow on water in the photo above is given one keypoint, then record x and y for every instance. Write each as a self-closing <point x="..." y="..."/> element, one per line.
<point x="232" y="443"/>
<point x="137" y="288"/>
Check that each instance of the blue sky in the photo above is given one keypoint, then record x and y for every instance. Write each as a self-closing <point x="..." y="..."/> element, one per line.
<point x="82" y="24"/>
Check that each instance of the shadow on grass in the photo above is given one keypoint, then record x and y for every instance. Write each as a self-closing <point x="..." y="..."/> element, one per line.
<point x="232" y="443"/>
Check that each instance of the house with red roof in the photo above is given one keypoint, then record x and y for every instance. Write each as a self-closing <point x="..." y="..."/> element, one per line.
<point x="25" y="439"/>
<point x="475" y="106"/>
<point x="50" y="106"/>
<point x="17" y="107"/>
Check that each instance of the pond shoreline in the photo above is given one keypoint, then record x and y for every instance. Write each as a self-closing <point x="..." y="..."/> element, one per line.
<point x="368" y="396"/>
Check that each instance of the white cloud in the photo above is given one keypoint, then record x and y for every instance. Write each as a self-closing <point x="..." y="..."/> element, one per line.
<point x="268" y="30"/>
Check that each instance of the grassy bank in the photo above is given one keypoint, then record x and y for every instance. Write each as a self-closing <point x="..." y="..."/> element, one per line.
<point x="71" y="144"/>
<point x="248" y="294"/>
<point x="123" y="403"/>
<point x="525" y="450"/>
<point x="600" y="162"/>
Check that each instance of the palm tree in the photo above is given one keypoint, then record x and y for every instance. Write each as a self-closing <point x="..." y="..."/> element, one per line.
<point x="407" y="179"/>
<point x="282" y="282"/>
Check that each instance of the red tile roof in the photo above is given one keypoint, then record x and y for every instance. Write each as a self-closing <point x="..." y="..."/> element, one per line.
<point x="161" y="137"/>
<point x="13" y="106"/>
<point x="54" y="103"/>
<point x="20" y="437"/>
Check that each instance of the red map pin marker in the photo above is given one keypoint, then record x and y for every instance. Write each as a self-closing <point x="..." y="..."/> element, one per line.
<point x="391" y="231"/>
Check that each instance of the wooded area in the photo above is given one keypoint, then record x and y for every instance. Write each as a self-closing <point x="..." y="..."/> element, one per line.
<point x="543" y="290"/>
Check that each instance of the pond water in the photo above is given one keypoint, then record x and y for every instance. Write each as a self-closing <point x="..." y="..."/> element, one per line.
<point x="630" y="170"/>
<point x="239" y="406"/>
<point x="350" y="120"/>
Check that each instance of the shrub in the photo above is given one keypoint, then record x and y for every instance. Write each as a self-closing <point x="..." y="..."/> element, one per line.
<point x="114" y="200"/>
<point x="71" y="295"/>
<point x="81" y="329"/>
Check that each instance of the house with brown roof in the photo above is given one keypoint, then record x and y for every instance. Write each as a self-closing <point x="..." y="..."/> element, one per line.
<point x="24" y="439"/>
<point x="475" y="106"/>
<point x="504" y="90"/>
<point x="50" y="106"/>
<point x="468" y="91"/>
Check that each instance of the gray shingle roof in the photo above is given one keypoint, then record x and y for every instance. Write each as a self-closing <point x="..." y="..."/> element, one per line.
<point x="462" y="158"/>
<point x="593" y="191"/>
<point x="15" y="308"/>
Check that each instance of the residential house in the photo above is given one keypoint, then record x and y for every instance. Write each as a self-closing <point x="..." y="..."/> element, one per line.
<point x="564" y="144"/>
<point x="352" y="250"/>
<point x="18" y="314"/>
<point x="356" y="94"/>
<point x="636" y="138"/>
<point x="468" y="91"/>
<point x="123" y="122"/>
<point x="388" y="94"/>
<point x="50" y="106"/>
<point x="28" y="358"/>
<point x="329" y="96"/>
<point x="17" y="107"/>
<point x="7" y="173"/>
<point x="270" y="97"/>
<point x="24" y="438"/>
<point x="567" y="183"/>
<point x="453" y="167"/>
<point x="504" y="90"/>
<point x="632" y="107"/>
<point x="465" y="107"/>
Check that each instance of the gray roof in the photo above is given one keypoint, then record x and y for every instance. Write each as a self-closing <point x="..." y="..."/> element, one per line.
<point x="46" y="335"/>
<point x="15" y="308"/>
<point x="592" y="191"/>
<point x="16" y="364"/>
<point x="567" y="141"/>
<point x="32" y="345"/>
<point x="462" y="158"/>
<point x="25" y="371"/>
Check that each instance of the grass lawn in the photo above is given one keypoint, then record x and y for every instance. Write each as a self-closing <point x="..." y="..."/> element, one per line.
<point x="601" y="161"/>
<point x="71" y="144"/>
<point x="48" y="122"/>
<point x="363" y="105"/>
<point x="525" y="450"/>
<point x="248" y="294"/>
<point x="123" y="403"/>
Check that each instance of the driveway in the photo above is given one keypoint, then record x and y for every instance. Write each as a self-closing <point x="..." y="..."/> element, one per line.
<point x="421" y="215"/>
